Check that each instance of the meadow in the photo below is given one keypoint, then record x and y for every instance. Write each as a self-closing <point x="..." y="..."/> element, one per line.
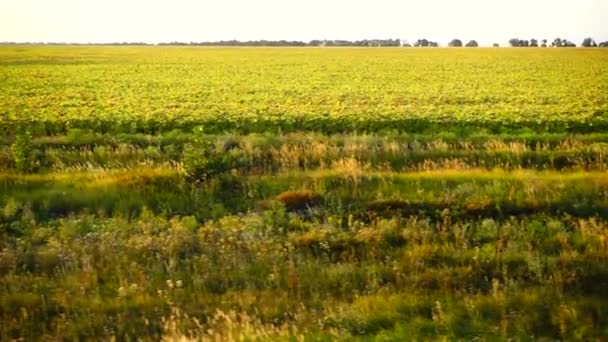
<point x="194" y="193"/>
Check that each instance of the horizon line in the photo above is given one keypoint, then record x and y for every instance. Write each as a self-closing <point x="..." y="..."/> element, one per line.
<point x="288" y="43"/>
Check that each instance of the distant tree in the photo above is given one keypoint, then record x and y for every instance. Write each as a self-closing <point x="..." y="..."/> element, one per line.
<point x="514" y="42"/>
<point x="603" y="44"/>
<point x="567" y="43"/>
<point x="524" y="43"/>
<point x="455" y="43"/>
<point x="421" y="43"/>
<point x="375" y="42"/>
<point x="588" y="42"/>
<point x="496" y="45"/>
<point x="533" y="42"/>
<point x="472" y="43"/>
<point x="557" y="42"/>
<point x="544" y="43"/>
<point x="315" y="43"/>
<point x="425" y="43"/>
<point x="393" y="42"/>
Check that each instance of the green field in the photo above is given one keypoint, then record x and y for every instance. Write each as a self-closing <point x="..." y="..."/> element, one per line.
<point x="385" y="194"/>
<point x="151" y="90"/>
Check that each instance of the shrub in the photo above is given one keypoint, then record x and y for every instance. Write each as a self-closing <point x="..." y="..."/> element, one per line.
<point x="197" y="160"/>
<point x="203" y="160"/>
<point x="23" y="152"/>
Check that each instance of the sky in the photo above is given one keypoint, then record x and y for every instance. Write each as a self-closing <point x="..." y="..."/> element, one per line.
<point x="153" y="21"/>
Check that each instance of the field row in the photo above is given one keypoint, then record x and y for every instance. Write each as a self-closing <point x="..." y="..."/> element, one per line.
<point x="317" y="194"/>
<point x="267" y="154"/>
<point x="462" y="140"/>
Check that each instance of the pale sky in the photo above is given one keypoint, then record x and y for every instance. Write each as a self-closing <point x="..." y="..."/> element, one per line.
<point x="153" y="21"/>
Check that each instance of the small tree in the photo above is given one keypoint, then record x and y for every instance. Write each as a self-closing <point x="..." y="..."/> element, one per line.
<point x="496" y="45"/>
<point x="472" y="43"/>
<point x="455" y="43"/>
<point x="544" y="43"/>
<point x="588" y="42"/>
<point x="533" y="42"/>
<point x="557" y="42"/>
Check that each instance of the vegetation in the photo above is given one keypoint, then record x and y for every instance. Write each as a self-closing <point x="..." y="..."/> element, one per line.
<point x="181" y="193"/>
<point x="589" y="42"/>
<point x="515" y="42"/>
<point x="455" y="43"/>
<point x="472" y="43"/>
<point x="51" y="90"/>
<point x="558" y="42"/>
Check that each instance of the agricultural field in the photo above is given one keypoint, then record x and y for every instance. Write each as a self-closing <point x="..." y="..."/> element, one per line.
<point x="191" y="193"/>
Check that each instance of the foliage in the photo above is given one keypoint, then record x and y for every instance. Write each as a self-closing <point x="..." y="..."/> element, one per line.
<point x="558" y="42"/>
<point x="295" y="94"/>
<point x="203" y="159"/>
<point x="425" y="43"/>
<point x="455" y="43"/>
<point x="23" y="152"/>
<point x="535" y="277"/>
<point x="589" y="42"/>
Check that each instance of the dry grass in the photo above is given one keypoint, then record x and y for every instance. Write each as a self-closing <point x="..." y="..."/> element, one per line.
<point x="299" y="200"/>
<point x="513" y="147"/>
<point x="351" y="168"/>
<point x="228" y="326"/>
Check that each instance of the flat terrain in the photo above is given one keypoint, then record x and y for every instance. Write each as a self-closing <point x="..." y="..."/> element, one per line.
<point x="316" y="193"/>
<point x="152" y="89"/>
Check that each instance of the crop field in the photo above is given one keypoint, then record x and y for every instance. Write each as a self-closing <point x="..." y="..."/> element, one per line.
<point x="192" y="193"/>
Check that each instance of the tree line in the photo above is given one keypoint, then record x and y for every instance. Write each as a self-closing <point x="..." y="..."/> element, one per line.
<point x="336" y="42"/>
<point x="557" y="42"/>
<point x="513" y="42"/>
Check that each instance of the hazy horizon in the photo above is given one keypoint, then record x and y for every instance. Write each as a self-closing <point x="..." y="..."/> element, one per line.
<point x="73" y="21"/>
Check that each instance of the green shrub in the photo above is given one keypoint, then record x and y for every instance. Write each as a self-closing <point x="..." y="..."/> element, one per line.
<point x="198" y="161"/>
<point x="202" y="160"/>
<point x="23" y="152"/>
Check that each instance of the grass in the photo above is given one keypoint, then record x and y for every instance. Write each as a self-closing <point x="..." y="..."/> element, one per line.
<point x="457" y="280"/>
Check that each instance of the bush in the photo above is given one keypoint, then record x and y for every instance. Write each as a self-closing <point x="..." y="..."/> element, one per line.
<point x="23" y="153"/>
<point x="202" y="160"/>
